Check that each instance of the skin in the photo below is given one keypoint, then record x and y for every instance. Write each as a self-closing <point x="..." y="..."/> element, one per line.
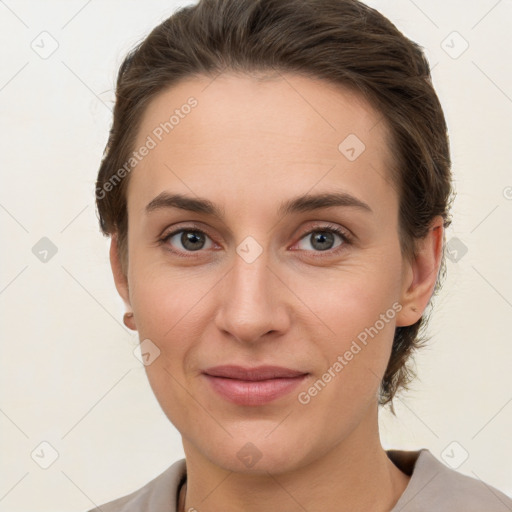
<point x="249" y="145"/>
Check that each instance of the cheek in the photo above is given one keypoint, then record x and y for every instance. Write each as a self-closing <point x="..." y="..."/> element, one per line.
<point x="353" y="299"/>
<point x="166" y="302"/>
<point x="360" y="314"/>
<point x="357" y="312"/>
<point x="168" y="312"/>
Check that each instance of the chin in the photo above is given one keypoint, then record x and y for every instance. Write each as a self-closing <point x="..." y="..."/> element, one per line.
<point x="260" y="453"/>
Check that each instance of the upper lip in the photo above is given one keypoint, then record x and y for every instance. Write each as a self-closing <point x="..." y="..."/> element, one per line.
<point x="257" y="373"/>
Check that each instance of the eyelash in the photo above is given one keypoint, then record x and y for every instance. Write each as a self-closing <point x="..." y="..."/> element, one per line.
<point x="329" y="228"/>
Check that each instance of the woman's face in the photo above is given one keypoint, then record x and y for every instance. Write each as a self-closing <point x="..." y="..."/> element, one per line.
<point x="258" y="275"/>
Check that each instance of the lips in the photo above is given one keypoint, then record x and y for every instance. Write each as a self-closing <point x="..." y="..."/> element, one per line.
<point x="253" y="374"/>
<point x="253" y="386"/>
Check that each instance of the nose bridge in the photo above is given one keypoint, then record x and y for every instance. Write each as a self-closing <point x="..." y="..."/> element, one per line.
<point x="250" y="278"/>
<point x="249" y="302"/>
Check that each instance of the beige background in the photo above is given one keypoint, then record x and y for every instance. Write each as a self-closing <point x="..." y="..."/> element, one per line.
<point x="68" y="373"/>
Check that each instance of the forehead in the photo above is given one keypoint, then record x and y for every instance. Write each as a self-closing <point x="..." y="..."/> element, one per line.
<point x="284" y="131"/>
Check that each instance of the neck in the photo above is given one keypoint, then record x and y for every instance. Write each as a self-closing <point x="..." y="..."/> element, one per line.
<point x="356" y="476"/>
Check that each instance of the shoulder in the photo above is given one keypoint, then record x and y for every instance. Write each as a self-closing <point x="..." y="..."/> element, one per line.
<point x="435" y="486"/>
<point x="157" y="495"/>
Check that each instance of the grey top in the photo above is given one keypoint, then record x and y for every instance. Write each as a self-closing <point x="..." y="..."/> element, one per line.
<point x="433" y="487"/>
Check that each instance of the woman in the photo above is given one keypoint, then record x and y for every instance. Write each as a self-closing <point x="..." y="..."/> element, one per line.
<point x="277" y="185"/>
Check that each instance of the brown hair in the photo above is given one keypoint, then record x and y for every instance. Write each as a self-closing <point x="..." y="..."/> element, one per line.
<point x="342" y="41"/>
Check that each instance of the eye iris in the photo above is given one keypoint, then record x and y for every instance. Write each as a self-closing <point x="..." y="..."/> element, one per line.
<point x="321" y="237"/>
<point x="190" y="238"/>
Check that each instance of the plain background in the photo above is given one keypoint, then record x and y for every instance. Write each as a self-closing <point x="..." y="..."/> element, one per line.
<point x="68" y="372"/>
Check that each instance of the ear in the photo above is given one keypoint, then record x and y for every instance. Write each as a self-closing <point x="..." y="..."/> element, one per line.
<point x="120" y="279"/>
<point x="420" y="274"/>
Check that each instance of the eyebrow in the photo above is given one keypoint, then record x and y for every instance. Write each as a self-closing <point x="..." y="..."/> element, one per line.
<point x="299" y="204"/>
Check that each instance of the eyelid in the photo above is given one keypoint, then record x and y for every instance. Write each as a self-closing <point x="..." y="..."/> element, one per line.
<point x="327" y="226"/>
<point x="189" y="227"/>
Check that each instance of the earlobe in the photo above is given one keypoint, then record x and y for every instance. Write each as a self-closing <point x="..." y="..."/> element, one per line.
<point x="121" y="281"/>
<point x="128" y="321"/>
<point x="421" y="274"/>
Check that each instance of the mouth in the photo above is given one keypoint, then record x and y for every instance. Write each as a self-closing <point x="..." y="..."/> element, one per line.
<point x="253" y="386"/>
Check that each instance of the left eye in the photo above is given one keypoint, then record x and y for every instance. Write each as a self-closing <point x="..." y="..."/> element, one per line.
<point x="322" y="239"/>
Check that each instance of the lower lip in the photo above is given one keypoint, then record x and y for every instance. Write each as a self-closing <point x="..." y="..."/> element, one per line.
<point x="244" y="392"/>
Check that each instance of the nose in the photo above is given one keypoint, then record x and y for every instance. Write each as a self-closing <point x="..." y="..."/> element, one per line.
<point x="252" y="301"/>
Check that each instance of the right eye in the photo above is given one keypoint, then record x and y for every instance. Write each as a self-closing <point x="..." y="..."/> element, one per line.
<point x="190" y="239"/>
